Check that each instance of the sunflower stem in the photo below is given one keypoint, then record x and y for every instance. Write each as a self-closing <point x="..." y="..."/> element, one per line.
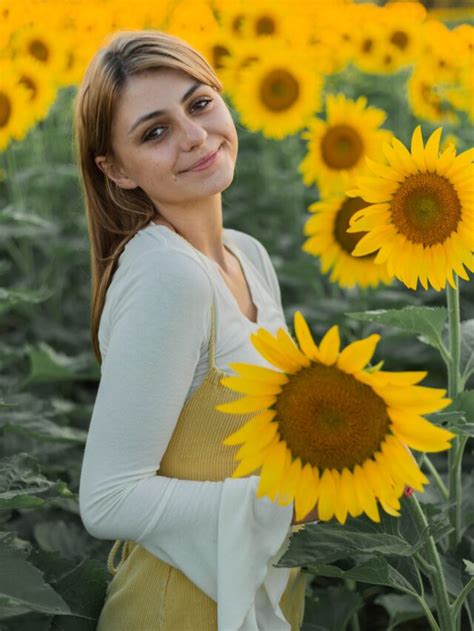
<point x="454" y="388"/>
<point x="436" y="477"/>
<point x="351" y="584"/>
<point x="436" y="578"/>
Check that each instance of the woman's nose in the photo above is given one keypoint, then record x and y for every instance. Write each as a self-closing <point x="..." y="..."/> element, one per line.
<point x="192" y="133"/>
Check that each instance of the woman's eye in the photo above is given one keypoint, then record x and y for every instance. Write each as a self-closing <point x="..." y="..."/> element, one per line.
<point x="151" y="136"/>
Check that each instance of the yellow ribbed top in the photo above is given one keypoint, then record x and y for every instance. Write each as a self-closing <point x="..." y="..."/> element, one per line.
<point x="147" y="594"/>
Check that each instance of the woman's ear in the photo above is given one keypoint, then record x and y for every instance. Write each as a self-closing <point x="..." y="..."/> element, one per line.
<point x="113" y="173"/>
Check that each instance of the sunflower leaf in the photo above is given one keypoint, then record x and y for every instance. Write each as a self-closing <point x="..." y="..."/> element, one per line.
<point x="427" y="322"/>
<point x="377" y="570"/>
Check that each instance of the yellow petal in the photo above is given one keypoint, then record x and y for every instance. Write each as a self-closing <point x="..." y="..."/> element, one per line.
<point x="432" y="150"/>
<point x="373" y="240"/>
<point x="265" y="437"/>
<point x="329" y="346"/>
<point x="417" y="149"/>
<point x="417" y="432"/>
<point x="364" y="494"/>
<point x="259" y="373"/>
<point x="248" y="386"/>
<point x="305" y="339"/>
<point x="272" y="469"/>
<point x="248" y="465"/>
<point x="389" y="510"/>
<point x="291" y="482"/>
<point x="251" y="428"/>
<point x="272" y="354"/>
<point x="341" y="506"/>
<point x="407" y="378"/>
<point x="409" y="469"/>
<point x="358" y="354"/>
<point x="404" y="156"/>
<point x="348" y="493"/>
<point x="289" y="346"/>
<point x="307" y="494"/>
<point x="327" y="496"/>
<point x="384" y="171"/>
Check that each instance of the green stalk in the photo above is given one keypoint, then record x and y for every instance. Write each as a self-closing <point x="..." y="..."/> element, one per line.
<point x="437" y="579"/>
<point x="352" y="585"/>
<point x="454" y="387"/>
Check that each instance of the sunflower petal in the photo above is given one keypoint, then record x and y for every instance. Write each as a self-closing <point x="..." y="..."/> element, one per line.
<point x="259" y="373"/>
<point x="358" y="354"/>
<point x="327" y="496"/>
<point x="348" y="494"/>
<point x="417" y="149"/>
<point x="307" y="494"/>
<point x="272" y="470"/>
<point x="305" y="338"/>
<point x="329" y="346"/>
<point x="266" y="436"/>
<point x="417" y="432"/>
<point x="250" y="429"/>
<point x="249" y="386"/>
<point x="288" y="345"/>
<point x="432" y="150"/>
<point x="365" y="495"/>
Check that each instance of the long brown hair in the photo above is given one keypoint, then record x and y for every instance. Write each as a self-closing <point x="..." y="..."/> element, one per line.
<point x="114" y="214"/>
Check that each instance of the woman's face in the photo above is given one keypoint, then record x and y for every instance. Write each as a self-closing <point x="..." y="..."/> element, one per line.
<point x="155" y="152"/>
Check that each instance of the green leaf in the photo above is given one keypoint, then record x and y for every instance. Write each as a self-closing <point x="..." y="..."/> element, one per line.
<point x="47" y="366"/>
<point x="464" y="403"/>
<point x="10" y="298"/>
<point x="377" y="570"/>
<point x="331" y="608"/>
<point x="400" y="608"/>
<point x="23" y="486"/>
<point x="469" y="567"/>
<point x="427" y="322"/>
<point x="22" y="586"/>
<point x="467" y="345"/>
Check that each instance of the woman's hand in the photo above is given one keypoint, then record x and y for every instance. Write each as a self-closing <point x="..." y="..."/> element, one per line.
<point x="311" y="516"/>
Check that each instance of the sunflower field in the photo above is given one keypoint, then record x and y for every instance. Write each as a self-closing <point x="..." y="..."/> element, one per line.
<point x="355" y="170"/>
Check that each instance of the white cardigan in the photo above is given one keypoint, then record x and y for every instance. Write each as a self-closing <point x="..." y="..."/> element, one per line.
<point x="154" y="337"/>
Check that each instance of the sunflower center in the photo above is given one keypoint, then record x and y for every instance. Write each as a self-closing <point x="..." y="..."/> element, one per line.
<point x="330" y="419"/>
<point x="279" y="90"/>
<point x="399" y="39"/>
<point x="265" y="25"/>
<point x="5" y="109"/>
<point x="426" y="208"/>
<point x="237" y="24"/>
<point x="341" y="147"/>
<point x="348" y="240"/>
<point x="219" y="53"/>
<point x="30" y="85"/>
<point x="38" y="50"/>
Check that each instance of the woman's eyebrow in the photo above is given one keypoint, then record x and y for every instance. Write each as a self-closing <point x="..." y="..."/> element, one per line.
<point x="155" y="113"/>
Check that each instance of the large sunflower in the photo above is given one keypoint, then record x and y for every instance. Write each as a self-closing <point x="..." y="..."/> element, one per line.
<point x="277" y="94"/>
<point x="337" y="146"/>
<point x="329" y="431"/>
<point x="421" y="217"/>
<point x="329" y="239"/>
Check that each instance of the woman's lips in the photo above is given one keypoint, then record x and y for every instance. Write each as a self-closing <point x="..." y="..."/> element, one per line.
<point x="205" y="165"/>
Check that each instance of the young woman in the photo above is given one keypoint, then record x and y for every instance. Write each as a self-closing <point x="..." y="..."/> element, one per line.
<point x="175" y="297"/>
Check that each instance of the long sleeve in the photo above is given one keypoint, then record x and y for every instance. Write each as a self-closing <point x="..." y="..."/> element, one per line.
<point x="159" y="321"/>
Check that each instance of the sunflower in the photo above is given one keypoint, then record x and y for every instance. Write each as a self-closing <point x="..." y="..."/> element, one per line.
<point x="42" y="90"/>
<point x="329" y="239"/>
<point x="337" y="146"/>
<point x="423" y="92"/>
<point x="326" y="429"/>
<point x="421" y="217"/>
<point x="277" y="94"/>
<point x="14" y="99"/>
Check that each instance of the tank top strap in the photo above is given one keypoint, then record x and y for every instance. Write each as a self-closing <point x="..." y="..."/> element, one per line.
<point x="212" y="339"/>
